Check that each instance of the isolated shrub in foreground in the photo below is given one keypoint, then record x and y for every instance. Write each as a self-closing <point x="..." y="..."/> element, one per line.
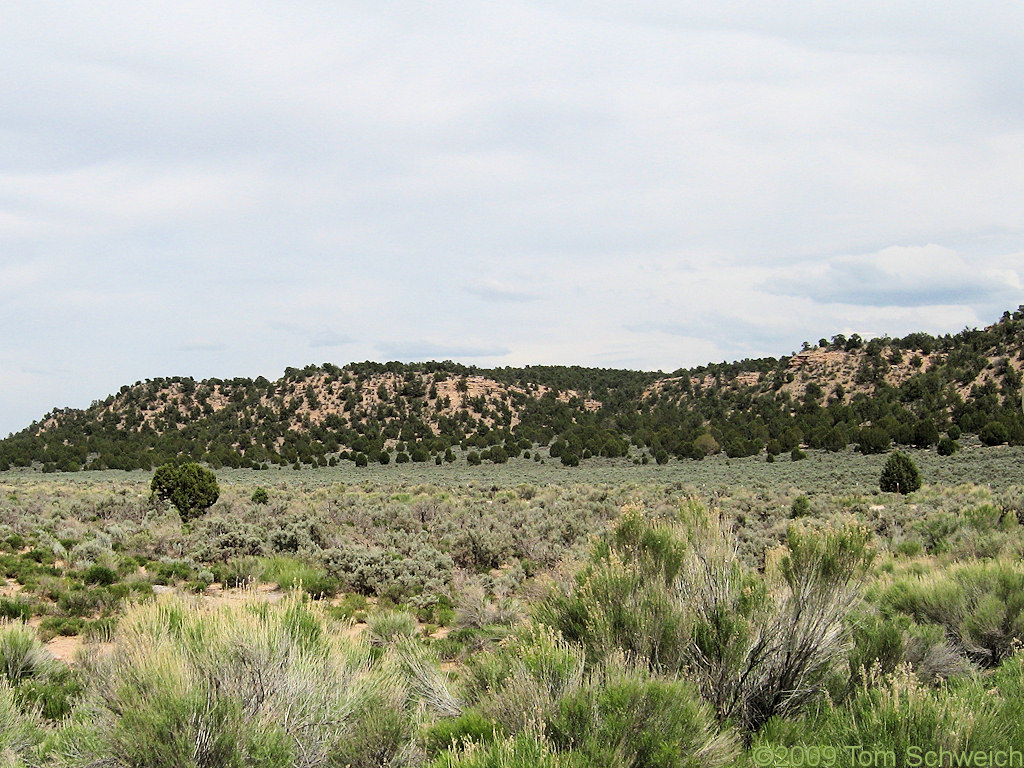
<point x="517" y="686"/>
<point x="521" y="751"/>
<point x="979" y="605"/>
<point x="619" y="714"/>
<point x="19" y="732"/>
<point x="767" y="649"/>
<point x="388" y="627"/>
<point x="679" y="598"/>
<point x="627" y="718"/>
<point x="900" y="474"/>
<point x="22" y="655"/>
<point x="250" y="684"/>
<point x="897" y="714"/>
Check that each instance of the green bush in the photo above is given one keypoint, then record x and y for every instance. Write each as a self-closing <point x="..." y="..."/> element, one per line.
<point x="22" y="655"/>
<point x="801" y="507"/>
<point x="178" y="688"/>
<point x="898" y="715"/>
<point x="101" y="575"/>
<point x="468" y="728"/>
<point x="388" y="627"/>
<point x="638" y="722"/>
<point x="900" y="475"/>
<point x="53" y="695"/>
<point x="979" y="605"/>
<point x="260" y="496"/>
<point x="993" y="433"/>
<point x="191" y="488"/>
<point x="16" y="608"/>
<point x="521" y="751"/>
<point x="61" y="625"/>
<point x="291" y="573"/>
<point x="19" y="733"/>
<point x="375" y="738"/>
<point x="756" y="644"/>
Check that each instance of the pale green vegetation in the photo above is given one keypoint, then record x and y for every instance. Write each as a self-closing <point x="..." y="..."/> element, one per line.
<point x="515" y="615"/>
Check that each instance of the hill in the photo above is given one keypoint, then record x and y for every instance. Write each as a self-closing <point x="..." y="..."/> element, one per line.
<point x="918" y="390"/>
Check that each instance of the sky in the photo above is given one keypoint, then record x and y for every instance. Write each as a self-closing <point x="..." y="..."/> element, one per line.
<point x="222" y="188"/>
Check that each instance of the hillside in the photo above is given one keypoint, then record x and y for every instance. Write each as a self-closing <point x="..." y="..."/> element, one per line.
<point x="872" y="394"/>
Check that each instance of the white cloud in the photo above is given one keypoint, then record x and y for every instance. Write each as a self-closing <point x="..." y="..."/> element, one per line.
<point x="426" y="350"/>
<point x="899" y="276"/>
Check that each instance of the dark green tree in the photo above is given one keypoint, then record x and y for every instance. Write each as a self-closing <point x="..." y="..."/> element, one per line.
<point x="190" y="487"/>
<point x="900" y="475"/>
<point x="926" y="434"/>
<point x="994" y="433"/>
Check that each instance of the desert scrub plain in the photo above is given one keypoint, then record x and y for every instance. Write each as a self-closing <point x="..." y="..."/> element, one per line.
<point x="715" y="613"/>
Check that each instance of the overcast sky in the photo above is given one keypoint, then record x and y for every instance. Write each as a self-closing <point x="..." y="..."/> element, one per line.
<point x="229" y="188"/>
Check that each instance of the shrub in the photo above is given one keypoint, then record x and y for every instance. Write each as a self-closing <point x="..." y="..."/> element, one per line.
<point x="948" y="446"/>
<point x="178" y="688"/>
<point x="291" y="573"/>
<point x="993" y="433"/>
<point x="388" y="627"/>
<point x="260" y="496"/>
<point x="191" y="488"/>
<point x="517" y="685"/>
<point x="22" y="655"/>
<point x="756" y="645"/>
<point x="873" y="440"/>
<point x="895" y="715"/>
<point x="801" y="507"/>
<point x="223" y="539"/>
<point x="641" y="721"/>
<point x="469" y="727"/>
<point x="18" y="732"/>
<point x="900" y="475"/>
<point x="61" y="625"/>
<point x="979" y="605"/>
<point x="376" y="737"/>
<point x="16" y="608"/>
<point x="100" y="574"/>
<point x="521" y="751"/>
<point x="474" y="609"/>
<point x="52" y="695"/>
<point x="879" y="646"/>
